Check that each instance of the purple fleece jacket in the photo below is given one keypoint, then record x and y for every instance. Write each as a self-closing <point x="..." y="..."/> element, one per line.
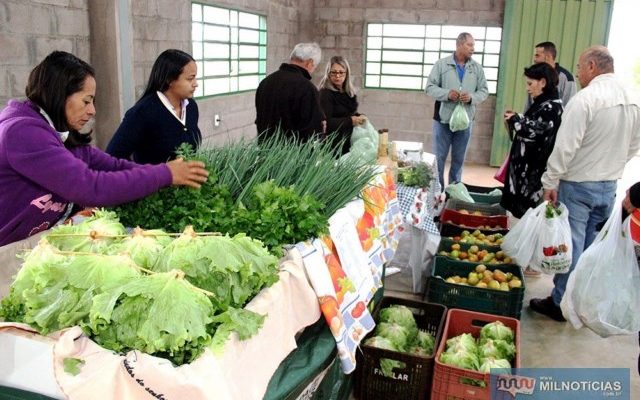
<point x="39" y="176"/>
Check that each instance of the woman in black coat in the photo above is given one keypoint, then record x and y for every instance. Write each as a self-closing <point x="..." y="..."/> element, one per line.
<point x="339" y="102"/>
<point x="533" y="134"/>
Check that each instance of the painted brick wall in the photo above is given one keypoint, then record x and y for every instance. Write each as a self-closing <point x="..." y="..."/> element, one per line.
<point x="340" y="28"/>
<point x="29" y="30"/>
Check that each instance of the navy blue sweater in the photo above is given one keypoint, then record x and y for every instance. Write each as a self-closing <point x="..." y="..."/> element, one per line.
<point x="151" y="133"/>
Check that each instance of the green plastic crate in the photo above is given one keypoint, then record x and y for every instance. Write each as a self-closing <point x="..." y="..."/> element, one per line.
<point x="445" y="244"/>
<point x="480" y="194"/>
<point x="488" y="301"/>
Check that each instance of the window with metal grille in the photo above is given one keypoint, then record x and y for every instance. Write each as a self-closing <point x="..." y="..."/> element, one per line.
<point x="230" y="49"/>
<point x="400" y="56"/>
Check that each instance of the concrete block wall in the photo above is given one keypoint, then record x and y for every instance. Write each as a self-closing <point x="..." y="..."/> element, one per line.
<point x="29" y="30"/>
<point x="340" y="27"/>
<point x="162" y="24"/>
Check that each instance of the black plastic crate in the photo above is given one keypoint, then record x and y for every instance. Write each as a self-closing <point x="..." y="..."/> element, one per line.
<point x="414" y="380"/>
<point x="471" y="298"/>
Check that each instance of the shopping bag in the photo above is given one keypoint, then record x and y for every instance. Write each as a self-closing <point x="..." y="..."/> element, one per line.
<point x="553" y="251"/>
<point x="459" y="191"/>
<point x="501" y="173"/>
<point x="365" y="131"/>
<point x="459" y="118"/>
<point x="520" y="242"/>
<point x="603" y="291"/>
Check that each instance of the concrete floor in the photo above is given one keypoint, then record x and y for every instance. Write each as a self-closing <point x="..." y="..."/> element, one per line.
<point x="547" y="343"/>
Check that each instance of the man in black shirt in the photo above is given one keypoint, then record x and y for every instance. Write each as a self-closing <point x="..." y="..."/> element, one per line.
<point x="286" y="99"/>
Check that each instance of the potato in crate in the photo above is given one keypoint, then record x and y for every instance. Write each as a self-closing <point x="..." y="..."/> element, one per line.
<point x="472" y="344"/>
<point x="384" y="372"/>
<point x="491" y="288"/>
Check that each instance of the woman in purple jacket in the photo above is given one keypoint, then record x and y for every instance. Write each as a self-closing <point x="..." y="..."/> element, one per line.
<point x="46" y="164"/>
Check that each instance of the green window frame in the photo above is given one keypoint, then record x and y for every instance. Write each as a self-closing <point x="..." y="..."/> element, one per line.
<point x="400" y="56"/>
<point x="230" y="49"/>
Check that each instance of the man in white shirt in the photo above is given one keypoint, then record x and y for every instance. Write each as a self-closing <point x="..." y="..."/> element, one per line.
<point x="600" y="132"/>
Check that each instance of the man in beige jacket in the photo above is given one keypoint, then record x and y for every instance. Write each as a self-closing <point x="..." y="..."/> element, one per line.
<point x="600" y="132"/>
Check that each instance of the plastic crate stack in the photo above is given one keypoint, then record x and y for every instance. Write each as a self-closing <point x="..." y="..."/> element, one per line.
<point x="471" y="235"/>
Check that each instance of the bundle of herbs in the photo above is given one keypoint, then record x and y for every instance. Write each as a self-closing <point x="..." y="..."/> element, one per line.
<point x="418" y="174"/>
<point x="310" y="168"/>
<point x="279" y="192"/>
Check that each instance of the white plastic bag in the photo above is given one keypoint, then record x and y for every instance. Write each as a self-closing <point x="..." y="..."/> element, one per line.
<point x="553" y="251"/>
<point x="603" y="291"/>
<point x="459" y="119"/>
<point x="520" y="242"/>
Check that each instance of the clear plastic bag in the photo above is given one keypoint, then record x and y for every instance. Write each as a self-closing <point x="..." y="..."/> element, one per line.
<point x="603" y="291"/>
<point x="520" y="242"/>
<point x="365" y="131"/>
<point x="459" y="191"/>
<point x="553" y="251"/>
<point x="459" y="119"/>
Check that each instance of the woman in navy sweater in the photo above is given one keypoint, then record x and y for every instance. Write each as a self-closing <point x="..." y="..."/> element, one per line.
<point x="165" y="116"/>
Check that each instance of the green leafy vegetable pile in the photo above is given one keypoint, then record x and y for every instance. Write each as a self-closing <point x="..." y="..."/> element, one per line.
<point x="416" y="175"/>
<point x="278" y="192"/>
<point x="495" y="348"/>
<point x="397" y="330"/>
<point x="145" y="291"/>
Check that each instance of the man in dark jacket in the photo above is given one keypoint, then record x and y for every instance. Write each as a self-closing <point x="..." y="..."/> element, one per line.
<point x="287" y="98"/>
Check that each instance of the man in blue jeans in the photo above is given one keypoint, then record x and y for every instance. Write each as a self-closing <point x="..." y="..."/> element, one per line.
<point x="600" y="132"/>
<point x="452" y="80"/>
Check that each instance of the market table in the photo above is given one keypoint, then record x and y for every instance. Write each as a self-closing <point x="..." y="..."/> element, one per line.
<point x="291" y="305"/>
<point x="35" y="363"/>
<point x="420" y="235"/>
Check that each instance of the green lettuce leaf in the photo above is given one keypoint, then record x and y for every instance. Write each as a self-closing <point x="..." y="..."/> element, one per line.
<point x="246" y="323"/>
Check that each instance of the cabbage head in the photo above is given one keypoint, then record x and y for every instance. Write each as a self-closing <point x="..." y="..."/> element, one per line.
<point x="401" y="315"/>
<point x="496" y="349"/>
<point x="465" y="342"/>
<point x="397" y="334"/>
<point x="398" y="314"/>
<point x="425" y="341"/>
<point x="496" y="330"/>
<point x="461" y="358"/>
<point x="491" y="362"/>
<point x="381" y="343"/>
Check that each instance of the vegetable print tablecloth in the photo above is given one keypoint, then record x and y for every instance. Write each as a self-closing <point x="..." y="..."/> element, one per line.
<point x="345" y="269"/>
